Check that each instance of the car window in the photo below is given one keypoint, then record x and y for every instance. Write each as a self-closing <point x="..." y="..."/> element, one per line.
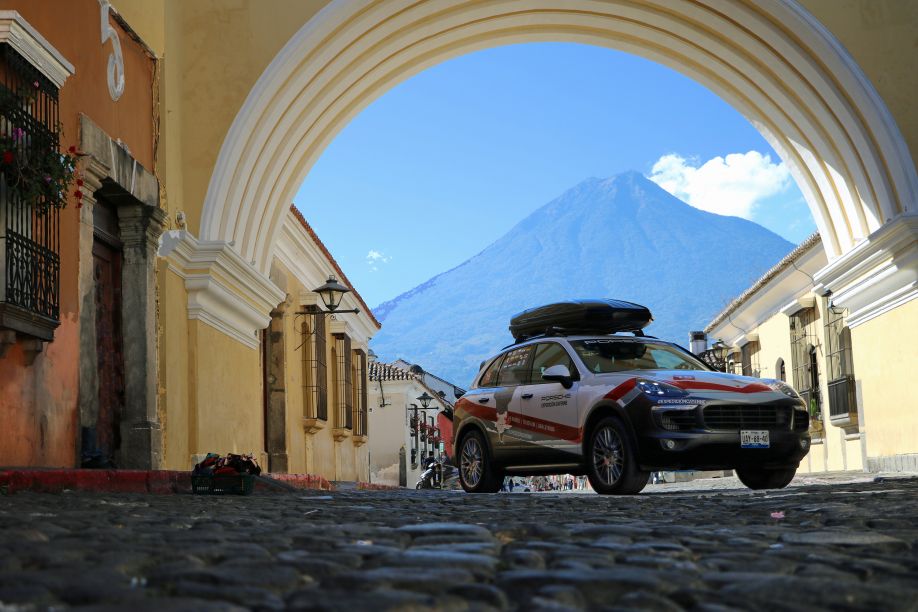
<point x="666" y="360"/>
<point x="604" y="355"/>
<point x="515" y="368"/>
<point x="550" y="354"/>
<point x="489" y="378"/>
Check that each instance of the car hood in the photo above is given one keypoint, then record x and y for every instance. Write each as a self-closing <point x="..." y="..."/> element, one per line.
<point x="701" y="385"/>
<point x="695" y="381"/>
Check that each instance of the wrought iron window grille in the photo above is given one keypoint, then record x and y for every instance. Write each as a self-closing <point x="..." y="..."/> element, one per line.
<point x="315" y="370"/>
<point x="804" y="366"/>
<point x="839" y="366"/>
<point x="29" y="217"/>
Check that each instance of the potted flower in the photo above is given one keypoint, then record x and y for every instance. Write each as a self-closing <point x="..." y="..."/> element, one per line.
<point x="33" y="170"/>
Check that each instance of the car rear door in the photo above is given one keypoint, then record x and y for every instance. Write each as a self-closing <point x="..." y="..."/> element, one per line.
<point x="495" y="402"/>
<point x="549" y="411"/>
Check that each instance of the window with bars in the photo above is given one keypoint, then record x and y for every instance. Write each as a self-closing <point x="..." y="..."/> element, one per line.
<point x="804" y="365"/>
<point x="359" y="375"/>
<point x="29" y="213"/>
<point x="344" y="408"/>
<point x="749" y="354"/>
<point x="315" y="372"/>
<point x="839" y="366"/>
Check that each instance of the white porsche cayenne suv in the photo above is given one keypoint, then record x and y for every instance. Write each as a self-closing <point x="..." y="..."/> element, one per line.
<point x="616" y="407"/>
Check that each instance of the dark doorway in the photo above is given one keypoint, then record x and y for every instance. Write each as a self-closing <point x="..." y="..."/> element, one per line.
<point x="109" y="350"/>
<point x="110" y="353"/>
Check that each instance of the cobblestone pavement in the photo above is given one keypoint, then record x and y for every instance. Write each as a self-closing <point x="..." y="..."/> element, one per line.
<point x="842" y="545"/>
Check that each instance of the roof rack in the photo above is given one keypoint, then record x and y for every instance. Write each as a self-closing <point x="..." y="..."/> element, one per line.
<point x="561" y="333"/>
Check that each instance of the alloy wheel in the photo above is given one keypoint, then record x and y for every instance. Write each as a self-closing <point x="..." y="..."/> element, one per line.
<point x="608" y="455"/>
<point x="470" y="461"/>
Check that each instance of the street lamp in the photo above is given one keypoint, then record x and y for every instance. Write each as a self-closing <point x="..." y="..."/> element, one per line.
<point x="425" y="400"/>
<point x="331" y="293"/>
<point x="721" y="352"/>
<point x="716" y="356"/>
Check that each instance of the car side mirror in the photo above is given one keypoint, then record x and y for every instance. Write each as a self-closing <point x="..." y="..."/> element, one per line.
<point x="559" y="373"/>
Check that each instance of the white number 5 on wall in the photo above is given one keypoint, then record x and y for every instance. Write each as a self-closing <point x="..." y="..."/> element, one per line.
<point x="116" y="59"/>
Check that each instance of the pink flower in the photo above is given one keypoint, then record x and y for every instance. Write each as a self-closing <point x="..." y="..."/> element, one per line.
<point x="47" y="178"/>
<point x="18" y="133"/>
<point x="35" y="84"/>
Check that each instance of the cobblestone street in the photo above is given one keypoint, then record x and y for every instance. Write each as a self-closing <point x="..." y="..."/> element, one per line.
<point x="841" y="545"/>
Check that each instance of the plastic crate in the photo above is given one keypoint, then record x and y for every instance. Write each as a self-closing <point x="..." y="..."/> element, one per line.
<point x="223" y="484"/>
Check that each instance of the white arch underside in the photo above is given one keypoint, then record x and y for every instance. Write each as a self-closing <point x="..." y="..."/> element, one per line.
<point x="769" y="60"/>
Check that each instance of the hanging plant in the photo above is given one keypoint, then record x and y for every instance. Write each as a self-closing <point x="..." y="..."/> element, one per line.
<point x="35" y="172"/>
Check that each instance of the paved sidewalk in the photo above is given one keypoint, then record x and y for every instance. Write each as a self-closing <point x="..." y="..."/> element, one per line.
<point x="849" y="544"/>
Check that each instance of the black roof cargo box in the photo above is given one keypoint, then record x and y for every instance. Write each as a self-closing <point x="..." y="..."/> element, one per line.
<point x="580" y="317"/>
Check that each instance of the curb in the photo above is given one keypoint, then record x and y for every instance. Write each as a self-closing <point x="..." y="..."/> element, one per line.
<point x="302" y="481"/>
<point x="157" y="482"/>
<point x="370" y="486"/>
<point x="160" y="482"/>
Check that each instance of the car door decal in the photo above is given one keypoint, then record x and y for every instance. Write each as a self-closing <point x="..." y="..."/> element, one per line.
<point x="504" y="420"/>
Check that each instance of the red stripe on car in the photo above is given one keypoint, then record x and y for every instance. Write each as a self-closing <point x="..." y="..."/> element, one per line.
<point x="515" y="419"/>
<point x="694" y="384"/>
<point x="621" y="391"/>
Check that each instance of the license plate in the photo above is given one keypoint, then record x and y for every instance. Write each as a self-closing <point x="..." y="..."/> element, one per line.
<point x="754" y="438"/>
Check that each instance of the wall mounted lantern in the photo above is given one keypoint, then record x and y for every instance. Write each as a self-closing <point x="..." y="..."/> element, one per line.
<point x="331" y="293"/>
<point x="425" y="400"/>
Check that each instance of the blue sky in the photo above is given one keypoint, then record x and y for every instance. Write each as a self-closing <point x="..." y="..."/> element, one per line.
<point x="448" y="161"/>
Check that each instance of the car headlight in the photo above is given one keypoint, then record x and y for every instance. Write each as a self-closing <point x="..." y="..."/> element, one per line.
<point x="659" y="389"/>
<point x="783" y="387"/>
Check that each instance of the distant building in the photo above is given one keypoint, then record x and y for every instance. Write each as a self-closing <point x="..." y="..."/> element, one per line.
<point x="403" y="431"/>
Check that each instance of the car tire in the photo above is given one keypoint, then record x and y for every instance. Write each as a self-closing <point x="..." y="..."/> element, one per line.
<point x="476" y="473"/>
<point x="761" y="478"/>
<point x="612" y="461"/>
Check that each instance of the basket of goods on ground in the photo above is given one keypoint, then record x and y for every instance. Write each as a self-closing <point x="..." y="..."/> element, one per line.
<point x="230" y="475"/>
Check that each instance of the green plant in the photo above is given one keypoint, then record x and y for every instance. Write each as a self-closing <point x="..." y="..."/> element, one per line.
<point x="35" y="171"/>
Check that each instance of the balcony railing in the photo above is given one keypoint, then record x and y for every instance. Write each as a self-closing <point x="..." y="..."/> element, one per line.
<point x="29" y="217"/>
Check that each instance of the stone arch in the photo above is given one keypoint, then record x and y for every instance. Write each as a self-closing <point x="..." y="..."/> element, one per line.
<point x="772" y="61"/>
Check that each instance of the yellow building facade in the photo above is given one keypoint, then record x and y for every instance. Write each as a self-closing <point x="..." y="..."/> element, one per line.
<point x="788" y="328"/>
<point x="251" y="93"/>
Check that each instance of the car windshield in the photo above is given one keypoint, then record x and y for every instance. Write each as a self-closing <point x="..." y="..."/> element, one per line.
<point x="603" y="355"/>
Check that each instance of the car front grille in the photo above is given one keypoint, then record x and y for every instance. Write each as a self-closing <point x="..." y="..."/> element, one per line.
<point x="801" y="420"/>
<point x="735" y="418"/>
<point x="678" y="420"/>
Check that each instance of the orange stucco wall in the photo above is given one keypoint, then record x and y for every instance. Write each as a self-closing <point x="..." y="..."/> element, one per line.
<point x="38" y="403"/>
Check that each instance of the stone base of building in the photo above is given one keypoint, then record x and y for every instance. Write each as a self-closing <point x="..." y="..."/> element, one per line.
<point x="894" y="463"/>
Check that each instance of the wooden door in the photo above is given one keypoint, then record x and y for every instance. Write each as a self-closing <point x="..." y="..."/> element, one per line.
<point x="107" y="274"/>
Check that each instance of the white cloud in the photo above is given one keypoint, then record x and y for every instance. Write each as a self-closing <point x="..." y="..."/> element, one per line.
<point x="731" y="185"/>
<point x="375" y="257"/>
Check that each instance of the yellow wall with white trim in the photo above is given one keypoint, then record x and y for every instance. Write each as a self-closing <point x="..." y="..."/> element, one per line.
<point x="226" y="402"/>
<point x="212" y="53"/>
<point x="885" y="365"/>
<point x="175" y="391"/>
<point x="313" y="453"/>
